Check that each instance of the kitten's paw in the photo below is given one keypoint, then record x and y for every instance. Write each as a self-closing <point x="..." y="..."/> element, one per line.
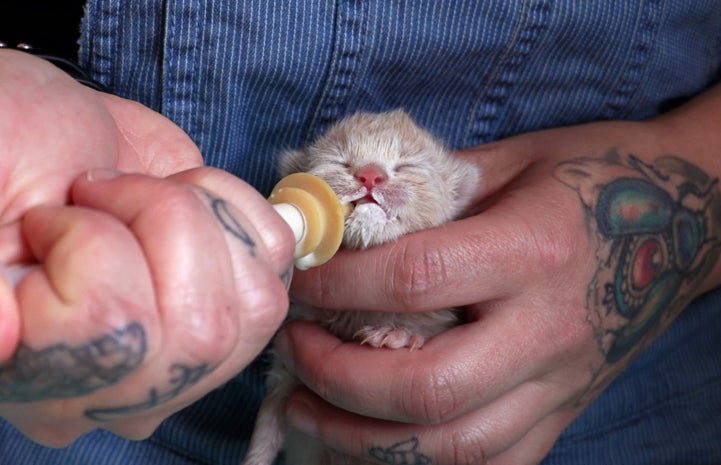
<point x="390" y="337"/>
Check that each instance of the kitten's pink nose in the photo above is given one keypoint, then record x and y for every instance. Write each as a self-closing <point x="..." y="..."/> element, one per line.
<point x="371" y="175"/>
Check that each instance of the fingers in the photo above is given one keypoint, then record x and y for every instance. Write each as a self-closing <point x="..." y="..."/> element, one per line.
<point x="455" y="372"/>
<point x="520" y="426"/>
<point x="150" y="293"/>
<point x="81" y="284"/>
<point x="413" y="273"/>
<point x="535" y="445"/>
<point x="208" y="262"/>
<point x="88" y="322"/>
<point x="494" y="255"/>
<point x="273" y="231"/>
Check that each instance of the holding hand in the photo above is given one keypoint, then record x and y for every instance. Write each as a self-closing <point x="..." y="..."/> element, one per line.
<point x="52" y="129"/>
<point x="142" y="291"/>
<point x="151" y="293"/>
<point x="589" y="242"/>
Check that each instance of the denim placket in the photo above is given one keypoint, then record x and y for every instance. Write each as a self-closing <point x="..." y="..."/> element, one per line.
<point x="491" y="100"/>
<point x="180" y="62"/>
<point x="100" y="23"/>
<point x="119" y="47"/>
<point x="348" y="46"/>
<point x="625" y="97"/>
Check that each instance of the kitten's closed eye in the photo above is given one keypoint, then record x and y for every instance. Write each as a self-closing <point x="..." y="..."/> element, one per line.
<point x="340" y="163"/>
<point x="406" y="166"/>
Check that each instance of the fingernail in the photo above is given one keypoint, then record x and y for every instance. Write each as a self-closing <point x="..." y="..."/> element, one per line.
<point x="284" y="350"/>
<point x="302" y="419"/>
<point x="101" y="174"/>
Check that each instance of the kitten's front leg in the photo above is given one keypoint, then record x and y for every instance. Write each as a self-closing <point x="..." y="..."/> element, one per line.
<point x="270" y="426"/>
<point x="397" y="330"/>
<point x="389" y="336"/>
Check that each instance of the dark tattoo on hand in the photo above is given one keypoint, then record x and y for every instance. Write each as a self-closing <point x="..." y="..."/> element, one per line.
<point x="63" y="371"/>
<point x="657" y="229"/>
<point x="401" y="453"/>
<point x="230" y="224"/>
<point x="182" y="378"/>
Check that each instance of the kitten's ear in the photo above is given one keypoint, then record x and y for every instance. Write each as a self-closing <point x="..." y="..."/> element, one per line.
<point x="401" y="115"/>
<point x="292" y="161"/>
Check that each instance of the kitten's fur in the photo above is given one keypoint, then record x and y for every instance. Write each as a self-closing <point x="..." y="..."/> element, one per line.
<point x="420" y="186"/>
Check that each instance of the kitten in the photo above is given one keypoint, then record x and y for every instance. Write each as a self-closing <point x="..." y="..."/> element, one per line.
<point x="399" y="179"/>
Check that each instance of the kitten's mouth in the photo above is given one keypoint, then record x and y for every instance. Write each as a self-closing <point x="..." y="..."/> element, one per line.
<point x="363" y="196"/>
<point x="368" y="198"/>
<point x="369" y="202"/>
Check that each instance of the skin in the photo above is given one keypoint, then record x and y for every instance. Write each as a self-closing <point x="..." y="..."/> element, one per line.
<point x="123" y="310"/>
<point x="531" y="270"/>
<point x="500" y="388"/>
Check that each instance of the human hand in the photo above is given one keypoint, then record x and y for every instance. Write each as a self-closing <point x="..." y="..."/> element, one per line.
<point x="141" y="293"/>
<point x="150" y="293"/>
<point x="51" y="130"/>
<point x="566" y="274"/>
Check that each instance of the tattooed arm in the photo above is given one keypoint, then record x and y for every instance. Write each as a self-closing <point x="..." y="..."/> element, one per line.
<point x="591" y="240"/>
<point x="141" y="293"/>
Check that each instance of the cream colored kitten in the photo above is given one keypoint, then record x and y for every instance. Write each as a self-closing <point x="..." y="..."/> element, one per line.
<point x="399" y="179"/>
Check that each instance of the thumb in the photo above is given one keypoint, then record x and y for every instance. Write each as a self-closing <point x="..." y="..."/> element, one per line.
<point x="149" y="142"/>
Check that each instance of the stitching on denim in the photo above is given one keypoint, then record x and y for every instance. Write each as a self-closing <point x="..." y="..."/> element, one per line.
<point x="348" y="47"/>
<point x="487" y="106"/>
<point x="628" y="83"/>
<point x="97" y="39"/>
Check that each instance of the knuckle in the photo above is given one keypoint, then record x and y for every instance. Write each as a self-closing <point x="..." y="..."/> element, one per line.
<point x="553" y="247"/>
<point x="267" y="307"/>
<point x="178" y="203"/>
<point x="465" y="447"/>
<point x="418" y="270"/>
<point x="432" y="398"/>
<point x="209" y="335"/>
<point x="325" y="287"/>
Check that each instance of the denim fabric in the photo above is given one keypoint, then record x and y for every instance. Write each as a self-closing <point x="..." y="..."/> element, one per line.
<point x="245" y="78"/>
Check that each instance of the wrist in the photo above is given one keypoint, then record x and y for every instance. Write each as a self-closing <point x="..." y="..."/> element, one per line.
<point x="691" y="132"/>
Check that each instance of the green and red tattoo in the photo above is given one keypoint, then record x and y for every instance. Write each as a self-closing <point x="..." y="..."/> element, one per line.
<point x="657" y="227"/>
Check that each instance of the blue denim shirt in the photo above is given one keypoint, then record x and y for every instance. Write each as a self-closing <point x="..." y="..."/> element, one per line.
<point x="246" y="78"/>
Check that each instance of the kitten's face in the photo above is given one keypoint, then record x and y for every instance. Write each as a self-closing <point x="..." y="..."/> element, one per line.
<point x="397" y="176"/>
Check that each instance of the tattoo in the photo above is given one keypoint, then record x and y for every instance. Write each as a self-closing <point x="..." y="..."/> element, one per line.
<point x="401" y="453"/>
<point x="64" y="371"/>
<point x="182" y="378"/>
<point x="222" y="212"/>
<point x="657" y="229"/>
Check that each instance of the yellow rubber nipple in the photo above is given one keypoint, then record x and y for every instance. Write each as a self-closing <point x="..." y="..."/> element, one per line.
<point x="314" y="213"/>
